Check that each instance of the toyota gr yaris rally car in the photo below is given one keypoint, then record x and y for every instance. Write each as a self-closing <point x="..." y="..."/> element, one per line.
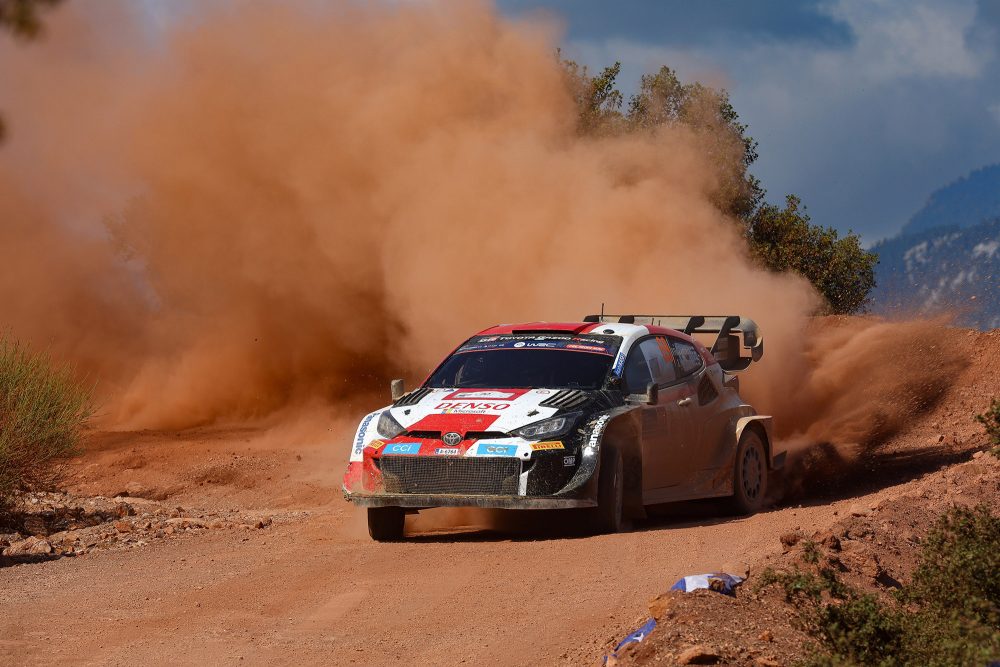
<point x="612" y="414"/>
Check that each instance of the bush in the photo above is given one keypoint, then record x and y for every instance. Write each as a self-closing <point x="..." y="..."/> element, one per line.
<point x="948" y="615"/>
<point x="991" y="422"/>
<point x="862" y="631"/>
<point x="43" y="410"/>
<point x="959" y="566"/>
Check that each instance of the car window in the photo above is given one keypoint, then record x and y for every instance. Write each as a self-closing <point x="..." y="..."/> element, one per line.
<point x="636" y="374"/>
<point x="646" y="363"/>
<point x="669" y="374"/>
<point x="686" y="355"/>
<point x="549" y="360"/>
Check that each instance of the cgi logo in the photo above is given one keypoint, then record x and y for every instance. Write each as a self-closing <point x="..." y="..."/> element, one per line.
<point x="492" y="449"/>
<point x="402" y="448"/>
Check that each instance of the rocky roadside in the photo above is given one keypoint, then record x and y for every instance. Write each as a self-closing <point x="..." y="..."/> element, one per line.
<point x="873" y="548"/>
<point x="45" y="526"/>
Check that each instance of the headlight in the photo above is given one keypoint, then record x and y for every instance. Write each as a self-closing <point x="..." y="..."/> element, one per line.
<point x="548" y="427"/>
<point x="387" y="426"/>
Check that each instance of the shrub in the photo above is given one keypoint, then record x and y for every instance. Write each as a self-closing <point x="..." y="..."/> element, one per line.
<point x="959" y="566"/>
<point x="949" y="614"/>
<point x="991" y="422"/>
<point x="43" y="410"/>
<point x="862" y="630"/>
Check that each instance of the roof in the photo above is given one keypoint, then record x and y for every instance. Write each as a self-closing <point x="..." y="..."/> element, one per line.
<point x="624" y="330"/>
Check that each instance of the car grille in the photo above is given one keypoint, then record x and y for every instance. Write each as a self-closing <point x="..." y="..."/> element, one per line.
<point x="469" y="435"/>
<point x="487" y="476"/>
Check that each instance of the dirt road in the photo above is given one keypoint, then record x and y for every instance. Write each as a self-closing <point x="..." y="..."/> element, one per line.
<point x="311" y="588"/>
<point x="318" y="591"/>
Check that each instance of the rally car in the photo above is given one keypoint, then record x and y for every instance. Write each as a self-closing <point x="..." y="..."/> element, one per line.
<point x="611" y="414"/>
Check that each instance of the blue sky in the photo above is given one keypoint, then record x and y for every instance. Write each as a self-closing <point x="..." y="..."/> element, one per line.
<point x="861" y="107"/>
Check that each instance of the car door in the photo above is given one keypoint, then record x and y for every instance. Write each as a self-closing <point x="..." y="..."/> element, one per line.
<point x="708" y="418"/>
<point x="665" y="426"/>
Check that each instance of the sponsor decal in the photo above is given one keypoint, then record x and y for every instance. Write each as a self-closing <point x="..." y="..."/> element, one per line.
<point x="481" y="395"/>
<point x="569" y="461"/>
<point x="446" y="451"/>
<point x="474" y="407"/>
<point x="359" y="440"/>
<point x="665" y="350"/>
<point x="402" y="448"/>
<point x="595" y="435"/>
<point x="375" y="444"/>
<point x="495" y="449"/>
<point x="619" y="364"/>
<point x="540" y="446"/>
<point x="555" y="342"/>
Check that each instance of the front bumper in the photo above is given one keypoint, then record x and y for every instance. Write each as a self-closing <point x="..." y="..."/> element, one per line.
<point x="425" y="501"/>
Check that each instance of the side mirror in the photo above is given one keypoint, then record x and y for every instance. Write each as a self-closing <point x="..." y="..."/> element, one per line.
<point x="652" y="393"/>
<point x="397" y="388"/>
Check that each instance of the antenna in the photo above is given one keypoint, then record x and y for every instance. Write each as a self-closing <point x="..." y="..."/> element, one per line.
<point x="602" y="311"/>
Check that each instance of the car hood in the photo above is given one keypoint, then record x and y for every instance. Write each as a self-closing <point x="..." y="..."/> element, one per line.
<point x="465" y="411"/>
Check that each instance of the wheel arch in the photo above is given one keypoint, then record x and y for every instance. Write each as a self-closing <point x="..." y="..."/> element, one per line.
<point x="623" y="435"/>
<point x="762" y="425"/>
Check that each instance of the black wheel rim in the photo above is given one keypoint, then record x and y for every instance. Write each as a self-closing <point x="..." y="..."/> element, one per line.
<point x="752" y="473"/>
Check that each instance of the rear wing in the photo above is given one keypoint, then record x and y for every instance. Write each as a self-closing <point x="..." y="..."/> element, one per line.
<point x="738" y="342"/>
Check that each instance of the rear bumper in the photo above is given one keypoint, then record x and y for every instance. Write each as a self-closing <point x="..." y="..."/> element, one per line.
<point x="424" y="501"/>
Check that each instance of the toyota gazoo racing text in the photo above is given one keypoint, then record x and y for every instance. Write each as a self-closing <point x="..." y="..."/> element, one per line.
<point x="612" y="414"/>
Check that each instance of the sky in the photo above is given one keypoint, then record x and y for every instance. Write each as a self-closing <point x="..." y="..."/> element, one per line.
<point x="861" y="107"/>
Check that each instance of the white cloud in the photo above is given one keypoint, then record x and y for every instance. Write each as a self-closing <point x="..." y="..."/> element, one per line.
<point x="899" y="39"/>
<point x="862" y="131"/>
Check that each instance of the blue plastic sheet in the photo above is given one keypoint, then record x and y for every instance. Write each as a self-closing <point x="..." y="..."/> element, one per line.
<point x="636" y="637"/>
<point x="719" y="582"/>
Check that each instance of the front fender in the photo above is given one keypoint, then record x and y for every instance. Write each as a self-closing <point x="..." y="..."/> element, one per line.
<point x="775" y="454"/>
<point x="590" y="450"/>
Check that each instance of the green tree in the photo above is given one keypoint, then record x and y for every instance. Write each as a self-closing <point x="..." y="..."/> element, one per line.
<point x="780" y="239"/>
<point x="21" y="18"/>
<point x="783" y="239"/>
<point x="663" y="100"/>
<point x="598" y="102"/>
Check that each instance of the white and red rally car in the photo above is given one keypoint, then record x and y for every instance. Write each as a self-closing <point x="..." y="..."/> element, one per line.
<point x="613" y="413"/>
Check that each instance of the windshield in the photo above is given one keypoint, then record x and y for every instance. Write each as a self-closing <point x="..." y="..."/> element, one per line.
<point x="527" y="361"/>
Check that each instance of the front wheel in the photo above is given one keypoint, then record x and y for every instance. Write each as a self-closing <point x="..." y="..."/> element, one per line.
<point x="750" y="474"/>
<point x="385" y="524"/>
<point x="610" y="493"/>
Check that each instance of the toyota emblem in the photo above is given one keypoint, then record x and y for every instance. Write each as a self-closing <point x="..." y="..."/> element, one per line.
<point x="452" y="439"/>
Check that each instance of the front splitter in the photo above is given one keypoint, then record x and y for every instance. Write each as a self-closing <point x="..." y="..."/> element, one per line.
<point x="418" y="501"/>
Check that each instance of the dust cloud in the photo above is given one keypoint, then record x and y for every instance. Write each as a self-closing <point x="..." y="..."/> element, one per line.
<point x="249" y="207"/>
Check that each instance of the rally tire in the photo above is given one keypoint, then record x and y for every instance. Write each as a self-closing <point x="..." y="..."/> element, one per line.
<point x="610" y="493"/>
<point x="385" y="524"/>
<point x="750" y="474"/>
